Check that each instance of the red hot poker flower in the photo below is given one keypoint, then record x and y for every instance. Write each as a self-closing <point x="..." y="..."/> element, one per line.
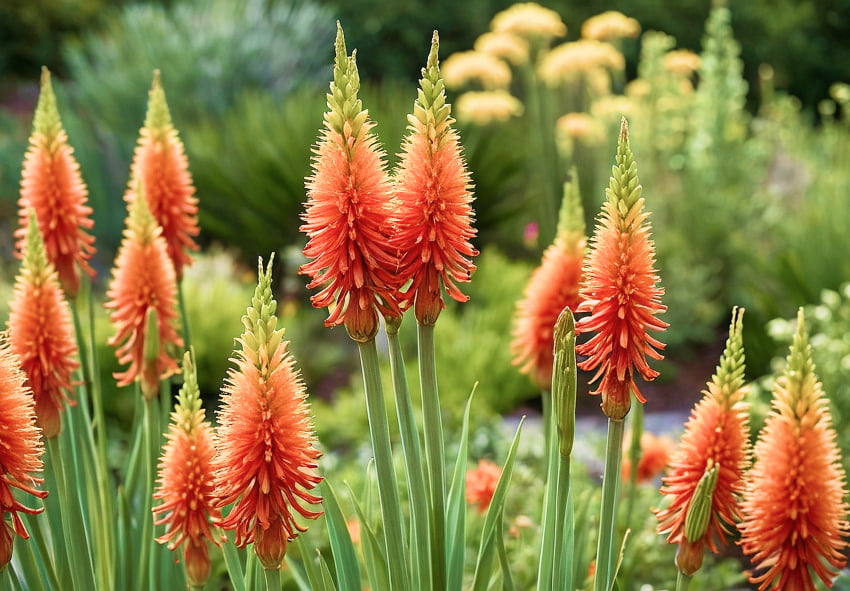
<point x="185" y="483"/>
<point x="553" y="286"/>
<point x="716" y="437"/>
<point x="51" y="185"/>
<point x="794" y="507"/>
<point x="481" y="484"/>
<point x="265" y="462"/>
<point x="161" y="165"/>
<point x="41" y="333"/>
<point x="434" y="202"/>
<point x="348" y="213"/>
<point x="621" y="291"/>
<point x="20" y="449"/>
<point x="143" y="300"/>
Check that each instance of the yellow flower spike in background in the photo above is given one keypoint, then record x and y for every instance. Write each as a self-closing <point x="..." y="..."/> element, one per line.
<point x="143" y="279"/>
<point x="717" y="436"/>
<point x="795" y="509"/>
<point x="610" y="25"/>
<point x="433" y="189"/>
<point x="470" y="67"/>
<point x="348" y="212"/>
<point x="681" y="62"/>
<point x="487" y="107"/>
<point x="160" y="163"/>
<point x="185" y="484"/>
<point x="21" y="449"/>
<point x="567" y="61"/>
<point x="529" y="19"/>
<point x="266" y="459"/>
<point x="52" y="186"/>
<point x="621" y="291"/>
<point x="504" y="45"/>
<point x="553" y="286"/>
<point x="41" y="333"/>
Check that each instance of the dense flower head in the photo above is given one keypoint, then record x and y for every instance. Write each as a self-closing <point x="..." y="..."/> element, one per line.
<point x="185" y="484"/>
<point x="507" y="46"/>
<point x="266" y="460"/>
<point x="716" y="436"/>
<point x="794" y="509"/>
<point x="51" y="185"/>
<point x="465" y="67"/>
<point x="610" y="25"/>
<point x="433" y="190"/>
<point x="487" y="106"/>
<point x="621" y="291"/>
<point x="575" y="58"/>
<point x="529" y="19"/>
<point x="160" y="163"/>
<point x="654" y="453"/>
<point x="21" y="449"/>
<point x="553" y="286"/>
<point x="348" y="217"/>
<point x="41" y="333"/>
<point x="142" y="298"/>
<point x="681" y="62"/>
<point x="481" y="484"/>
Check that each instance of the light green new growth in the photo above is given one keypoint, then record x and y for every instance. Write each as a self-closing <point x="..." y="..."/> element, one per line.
<point x="158" y="116"/>
<point x="140" y="220"/>
<point x="35" y="263"/>
<point x="699" y="511"/>
<point x="188" y="414"/>
<point x="564" y="380"/>
<point x="345" y="110"/>
<point x="624" y="189"/>
<point x="729" y="374"/>
<point x="571" y="216"/>
<point x="802" y="389"/>
<point x="261" y="336"/>
<point x="431" y="113"/>
<point x="46" y="120"/>
<point x="151" y="347"/>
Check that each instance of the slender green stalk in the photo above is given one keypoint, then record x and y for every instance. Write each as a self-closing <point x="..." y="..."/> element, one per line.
<point x="272" y="576"/>
<point x="434" y="451"/>
<point x="146" y="518"/>
<point x="547" y="561"/>
<point x="72" y="546"/>
<point x="387" y="486"/>
<point x="181" y="301"/>
<point x="410" y="442"/>
<point x="36" y="524"/>
<point x="562" y="503"/>
<point x="608" y="511"/>
<point x="634" y="457"/>
<point x="682" y="582"/>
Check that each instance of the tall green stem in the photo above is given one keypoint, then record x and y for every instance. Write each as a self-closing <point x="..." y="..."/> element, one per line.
<point x="272" y="576"/>
<point x="387" y="486"/>
<point x="147" y="519"/>
<point x="187" y="338"/>
<point x="682" y="582"/>
<point x="608" y="511"/>
<point x="434" y="451"/>
<point x="419" y="508"/>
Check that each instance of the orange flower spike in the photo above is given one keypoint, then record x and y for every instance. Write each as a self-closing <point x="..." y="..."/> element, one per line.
<point x="716" y="437"/>
<point x="185" y="485"/>
<point x="41" y="333"/>
<point x="266" y="459"/>
<point x="553" y="286"/>
<point x="51" y="185"/>
<point x="21" y="449"/>
<point x="621" y="291"/>
<point x="143" y="300"/>
<point x="160" y="163"/>
<point x="794" y="505"/>
<point x="348" y="213"/>
<point x="435" y="202"/>
<point x="481" y="484"/>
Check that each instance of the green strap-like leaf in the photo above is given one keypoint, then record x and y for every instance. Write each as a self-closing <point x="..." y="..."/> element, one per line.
<point x="456" y="507"/>
<point x="345" y="556"/>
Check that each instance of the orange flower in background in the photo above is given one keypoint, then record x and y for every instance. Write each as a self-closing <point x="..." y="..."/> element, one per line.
<point x="143" y="300"/>
<point x="717" y="436"/>
<point x="481" y="484"/>
<point x="51" y="185"/>
<point x="265" y="462"/>
<point x="794" y="508"/>
<point x="185" y="484"/>
<point x="20" y="450"/>
<point x="553" y="286"/>
<point x="654" y="454"/>
<point x="160" y="163"/>
<point x="621" y="291"/>
<point x="41" y="333"/>
<point x="434" y="202"/>
<point x="348" y="213"/>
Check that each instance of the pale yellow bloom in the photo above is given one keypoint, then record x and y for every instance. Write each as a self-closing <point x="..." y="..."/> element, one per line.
<point x="529" y="19"/>
<point x="681" y="61"/>
<point x="568" y="60"/>
<point x="610" y="25"/>
<point x="613" y="107"/>
<point x="504" y="45"/>
<point x="579" y="126"/>
<point x="638" y="88"/>
<point x="470" y="66"/>
<point x="483" y="108"/>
